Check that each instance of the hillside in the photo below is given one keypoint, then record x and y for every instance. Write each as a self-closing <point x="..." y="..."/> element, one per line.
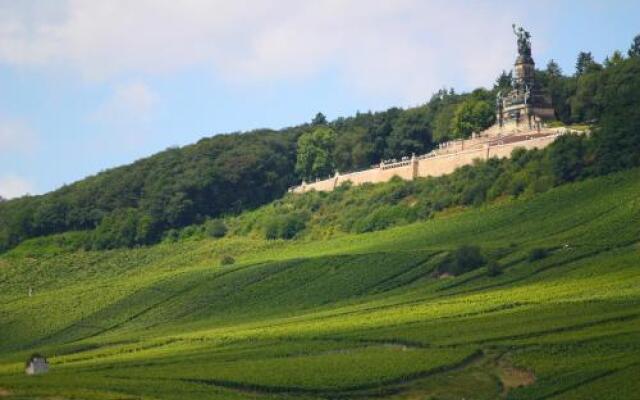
<point x="225" y="175"/>
<point x="193" y="273"/>
<point x="357" y="316"/>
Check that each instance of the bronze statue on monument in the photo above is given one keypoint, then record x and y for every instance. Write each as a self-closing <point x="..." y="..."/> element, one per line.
<point x="524" y="41"/>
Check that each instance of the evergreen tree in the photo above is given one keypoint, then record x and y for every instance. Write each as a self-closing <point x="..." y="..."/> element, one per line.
<point x="319" y="119"/>
<point x="585" y="63"/>
<point x="553" y="69"/>
<point x="634" y="50"/>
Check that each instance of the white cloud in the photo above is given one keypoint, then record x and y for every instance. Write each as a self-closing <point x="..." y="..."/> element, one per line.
<point x="124" y="118"/>
<point x="404" y="48"/>
<point x="131" y="101"/>
<point x="16" y="136"/>
<point x="14" y="186"/>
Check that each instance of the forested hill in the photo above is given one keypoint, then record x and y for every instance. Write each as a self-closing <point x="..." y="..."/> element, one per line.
<point x="177" y="187"/>
<point x="226" y="174"/>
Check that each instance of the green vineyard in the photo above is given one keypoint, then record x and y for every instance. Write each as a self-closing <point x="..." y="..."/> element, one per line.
<point x="354" y="316"/>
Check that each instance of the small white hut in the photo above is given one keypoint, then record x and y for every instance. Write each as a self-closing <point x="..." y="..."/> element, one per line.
<point x="36" y="364"/>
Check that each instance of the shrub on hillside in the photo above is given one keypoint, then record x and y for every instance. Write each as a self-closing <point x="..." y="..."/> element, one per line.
<point x="537" y="254"/>
<point x="285" y="226"/>
<point x="227" y="260"/>
<point x="384" y="217"/>
<point x="464" y="259"/>
<point x="493" y="268"/>
<point x="190" y="232"/>
<point x="172" y="235"/>
<point x="215" y="228"/>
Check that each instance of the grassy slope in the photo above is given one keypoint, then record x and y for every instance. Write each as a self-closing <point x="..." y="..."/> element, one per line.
<point x="356" y="316"/>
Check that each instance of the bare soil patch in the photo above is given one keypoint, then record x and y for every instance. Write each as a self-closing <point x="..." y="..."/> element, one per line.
<point x="513" y="377"/>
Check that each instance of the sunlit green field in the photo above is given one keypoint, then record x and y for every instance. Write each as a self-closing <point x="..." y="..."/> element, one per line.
<point x="359" y="316"/>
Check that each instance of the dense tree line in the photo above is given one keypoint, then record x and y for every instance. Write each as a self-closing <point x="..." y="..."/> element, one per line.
<point x="354" y="143"/>
<point x="135" y="204"/>
<point x="223" y="175"/>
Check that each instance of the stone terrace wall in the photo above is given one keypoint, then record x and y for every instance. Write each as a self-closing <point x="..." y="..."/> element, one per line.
<point x="437" y="163"/>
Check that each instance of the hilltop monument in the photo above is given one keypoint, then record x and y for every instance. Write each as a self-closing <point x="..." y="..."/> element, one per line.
<point x="521" y="116"/>
<point x="526" y="106"/>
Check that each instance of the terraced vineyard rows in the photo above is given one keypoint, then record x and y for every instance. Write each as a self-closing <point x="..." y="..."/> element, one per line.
<point x="358" y="316"/>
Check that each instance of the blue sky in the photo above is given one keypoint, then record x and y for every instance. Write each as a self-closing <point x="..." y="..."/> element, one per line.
<point x="88" y="85"/>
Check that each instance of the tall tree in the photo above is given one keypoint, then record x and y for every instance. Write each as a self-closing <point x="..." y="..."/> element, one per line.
<point x="319" y="119"/>
<point x="443" y="104"/>
<point x="503" y="81"/>
<point x="615" y="59"/>
<point x="585" y="63"/>
<point x="567" y="158"/>
<point x="634" y="50"/>
<point x="553" y="69"/>
<point x="586" y="104"/>
<point x="618" y="136"/>
<point x="472" y="115"/>
<point x="411" y="133"/>
<point x="354" y="149"/>
<point x="315" y="153"/>
<point x="560" y="88"/>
